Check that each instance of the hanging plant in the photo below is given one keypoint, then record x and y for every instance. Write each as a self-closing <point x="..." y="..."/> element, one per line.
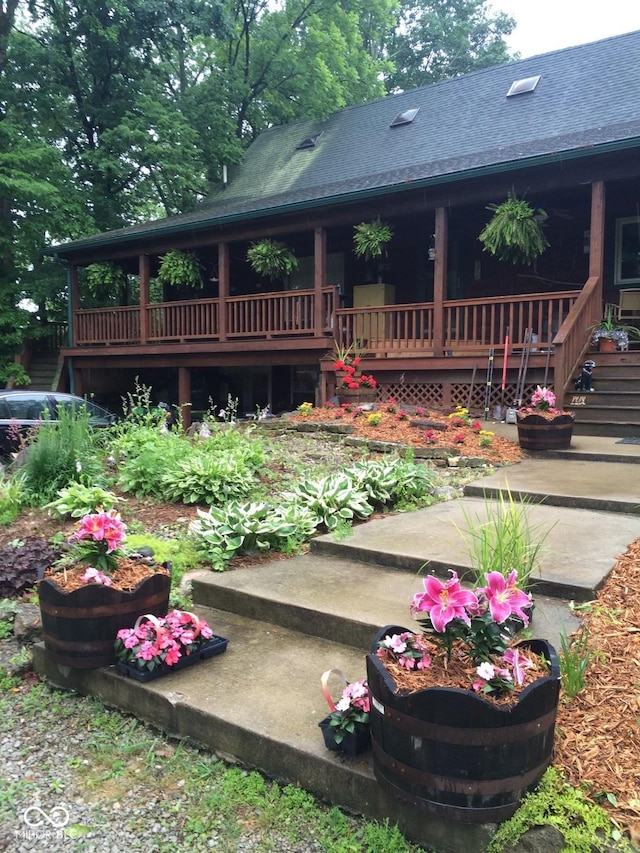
<point x="105" y="280"/>
<point x="180" y="269"/>
<point x="370" y="239"/>
<point x="272" y="259"/>
<point x="514" y="232"/>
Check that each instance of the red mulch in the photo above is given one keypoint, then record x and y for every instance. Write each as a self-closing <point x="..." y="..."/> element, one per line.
<point x="394" y="428"/>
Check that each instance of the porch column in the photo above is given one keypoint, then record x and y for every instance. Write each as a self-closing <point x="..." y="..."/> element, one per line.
<point x="223" y="289"/>
<point x="184" y="395"/>
<point x="440" y="279"/>
<point x="596" y="239"/>
<point x="319" y="279"/>
<point x="143" y="272"/>
<point x="74" y="304"/>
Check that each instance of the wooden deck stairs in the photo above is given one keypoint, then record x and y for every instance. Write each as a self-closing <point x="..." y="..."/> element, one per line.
<point x="613" y="408"/>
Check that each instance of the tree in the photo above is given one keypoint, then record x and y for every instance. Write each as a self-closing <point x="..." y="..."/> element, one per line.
<point x="436" y="39"/>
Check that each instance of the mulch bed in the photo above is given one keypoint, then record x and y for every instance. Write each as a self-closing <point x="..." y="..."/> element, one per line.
<point x="126" y="577"/>
<point x="396" y="428"/>
<point x="598" y="731"/>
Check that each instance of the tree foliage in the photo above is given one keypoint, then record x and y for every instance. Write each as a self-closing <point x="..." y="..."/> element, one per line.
<point x="112" y="113"/>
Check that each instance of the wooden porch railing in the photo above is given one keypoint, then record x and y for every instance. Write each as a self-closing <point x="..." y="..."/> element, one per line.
<point x="573" y="338"/>
<point x="289" y="314"/>
<point x="469" y="324"/>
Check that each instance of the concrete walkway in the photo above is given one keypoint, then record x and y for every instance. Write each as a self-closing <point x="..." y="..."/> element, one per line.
<point x="290" y="620"/>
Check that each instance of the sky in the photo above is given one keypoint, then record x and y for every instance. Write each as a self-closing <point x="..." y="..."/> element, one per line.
<point x="545" y="25"/>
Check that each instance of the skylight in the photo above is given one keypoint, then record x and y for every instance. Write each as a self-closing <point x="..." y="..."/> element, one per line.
<point x="520" y="87"/>
<point x="309" y="141"/>
<point x="405" y="117"/>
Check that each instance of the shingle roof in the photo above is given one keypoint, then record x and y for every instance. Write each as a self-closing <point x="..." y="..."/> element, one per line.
<point x="587" y="99"/>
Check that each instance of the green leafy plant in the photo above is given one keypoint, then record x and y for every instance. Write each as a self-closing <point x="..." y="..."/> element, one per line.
<point x="575" y="658"/>
<point x="180" y="269"/>
<point x="248" y="528"/>
<point x="61" y="452"/>
<point x="514" y="232"/>
<point x="585" y="827"/>
<point x="11" y="497"/>
<point x="610" y="329"/>
<point x="207" y="478"/>
<point x="370" y="239"/>
<point x="103" y="280"/>
<point x="503" y="538"/>
<point x="331" y="499"/>
<point x="77" y="500"/>
<point x="272" y="259"/>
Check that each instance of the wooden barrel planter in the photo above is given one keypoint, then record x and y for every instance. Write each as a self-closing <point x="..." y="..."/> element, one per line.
<point x="538" y="433"/>
<point x="356" y="396"/>
<point x="453" y="754"/>
<point x="79" y="627"/>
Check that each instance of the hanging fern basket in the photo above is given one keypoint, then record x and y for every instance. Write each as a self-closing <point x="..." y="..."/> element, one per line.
<point x="514" y="233"/>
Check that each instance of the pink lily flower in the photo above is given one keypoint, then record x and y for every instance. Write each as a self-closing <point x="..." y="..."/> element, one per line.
<point x="518" y="661"/>
<point x="504" y="597"/>
<point x="444" y="602"/>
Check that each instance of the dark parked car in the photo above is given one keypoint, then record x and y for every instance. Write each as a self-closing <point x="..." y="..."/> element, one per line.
<point x="21" y="410"/>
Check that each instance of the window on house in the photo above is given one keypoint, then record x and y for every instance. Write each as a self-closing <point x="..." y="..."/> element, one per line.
<point x="405" y="117"/>
<point x="309" y="141"/>
<point x="627" y="251"/>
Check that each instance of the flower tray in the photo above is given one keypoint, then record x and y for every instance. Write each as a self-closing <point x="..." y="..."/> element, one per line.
<point x="215" y="646"/>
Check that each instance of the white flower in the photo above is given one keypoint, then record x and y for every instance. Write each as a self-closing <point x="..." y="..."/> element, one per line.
<point x="486" y="671"/>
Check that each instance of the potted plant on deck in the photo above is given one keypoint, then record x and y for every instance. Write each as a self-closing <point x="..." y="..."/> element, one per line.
<point x="180" y="269"/>
<point x="609" y="335"/>
<point x="541" y="426"/>
<point x="95" y="590"/>
<point x="463" y="715"/>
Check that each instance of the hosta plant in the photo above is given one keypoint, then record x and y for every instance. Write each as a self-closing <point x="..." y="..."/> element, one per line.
<point x="332" y="499"/>
<point x="249" y="528"/>
<point x="77" y="500"/>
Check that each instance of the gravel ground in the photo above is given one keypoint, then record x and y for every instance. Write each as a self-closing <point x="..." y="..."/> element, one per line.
<point x="59" y="794"/>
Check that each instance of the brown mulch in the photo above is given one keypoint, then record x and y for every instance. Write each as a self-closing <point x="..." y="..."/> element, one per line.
<point x="394" y="428"/>
<point x="598" y="731"/>
<point x="126" y="577"/>
<point x="458" y="672"/>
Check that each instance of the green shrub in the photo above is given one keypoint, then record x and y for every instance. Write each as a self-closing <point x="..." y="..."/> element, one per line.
<point x="61" y="452"/>
<point x="205" y="478"/>
<point x="11" y="497"/>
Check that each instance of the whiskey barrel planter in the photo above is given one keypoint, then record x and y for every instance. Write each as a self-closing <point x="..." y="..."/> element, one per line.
<point x="453" y="754"/>
<point x="79" y="627"/>
<point x="538" y="433"/>
<point x="356" y="396"/>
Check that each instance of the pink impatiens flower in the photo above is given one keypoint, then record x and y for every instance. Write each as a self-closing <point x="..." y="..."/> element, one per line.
<point x="444" y="601"/>
<point x="92" y="575"/>
<point x="504" y="597"/>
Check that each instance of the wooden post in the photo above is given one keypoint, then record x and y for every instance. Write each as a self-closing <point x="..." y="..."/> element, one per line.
<point x="596" y="238"/>
<point x="440" y="279"/>
<point x="319" y="279"/>
<point x="74" y="304"/>
<point x="143" y="273"/>
<point x="223" y="289"/>
<point x="184" y="396"/>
